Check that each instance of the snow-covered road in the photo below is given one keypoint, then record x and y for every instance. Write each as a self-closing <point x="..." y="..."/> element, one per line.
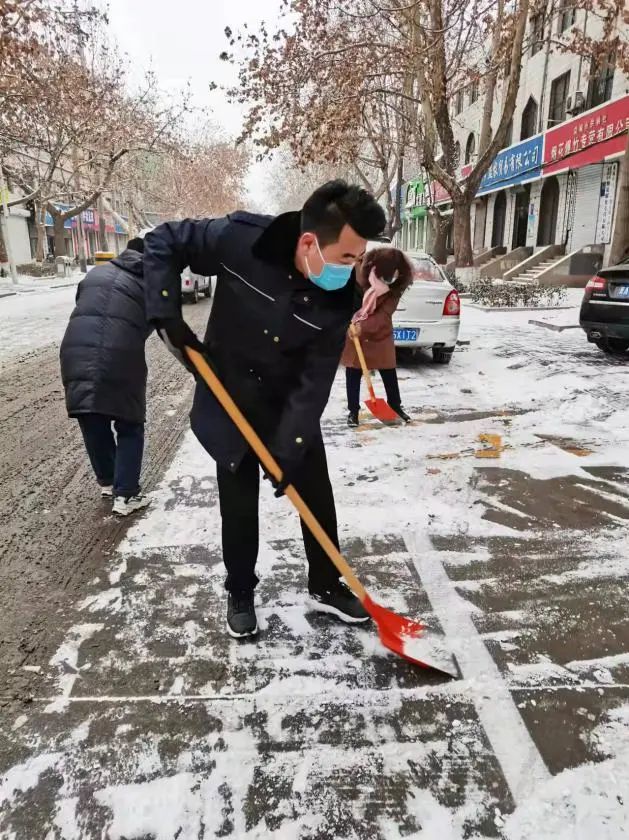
<point x="30" y="320"/>
<point x="150" y="722"/>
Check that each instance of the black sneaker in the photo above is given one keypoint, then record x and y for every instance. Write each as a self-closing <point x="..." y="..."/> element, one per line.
<point x="352" y="419"/>
<point x="399" y="410"/>
<point x="241" y="615"/>
<point x="339" y="600"/>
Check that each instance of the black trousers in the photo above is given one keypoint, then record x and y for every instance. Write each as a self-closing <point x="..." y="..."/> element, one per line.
<point x="389" y="378"/>
<point x="116" y="460"/>
<point x="239" y="495"/>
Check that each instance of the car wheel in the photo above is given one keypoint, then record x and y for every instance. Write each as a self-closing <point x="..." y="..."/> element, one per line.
<point x="613" y="346"/>
<point x="442" y="355"/>
<point x="208" y="289"/>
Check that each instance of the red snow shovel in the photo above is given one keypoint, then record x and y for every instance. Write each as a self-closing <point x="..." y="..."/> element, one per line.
<point x="380" y="408"/>
<point x="409" y="639"/>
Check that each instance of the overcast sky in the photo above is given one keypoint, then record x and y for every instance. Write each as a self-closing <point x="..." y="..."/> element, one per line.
<point x="182" y="41"/>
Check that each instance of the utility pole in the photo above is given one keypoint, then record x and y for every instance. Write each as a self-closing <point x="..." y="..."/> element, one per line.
<point x="5" y="226"/>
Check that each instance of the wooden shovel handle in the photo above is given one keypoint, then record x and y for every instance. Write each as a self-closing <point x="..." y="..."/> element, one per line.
<point x="273" y="469"/>
<point x="363" y="363"/>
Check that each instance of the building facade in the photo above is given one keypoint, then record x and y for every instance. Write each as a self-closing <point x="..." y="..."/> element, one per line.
<point x="555" y="183"/>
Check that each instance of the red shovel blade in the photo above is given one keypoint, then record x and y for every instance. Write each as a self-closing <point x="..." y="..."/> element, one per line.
<point x="382" y="410"/>
<point x="412" y="640"/>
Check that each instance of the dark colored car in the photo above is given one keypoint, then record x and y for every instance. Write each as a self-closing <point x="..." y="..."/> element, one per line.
<point x="605" y="309"/>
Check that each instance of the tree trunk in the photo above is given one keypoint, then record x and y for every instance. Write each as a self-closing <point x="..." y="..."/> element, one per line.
<point x="3" y="251"/>
<point x="463" y="251"/>
<point x="620" y="239"/>
<point x="490" y="82"/>
<point x="440" y="226"/>
<point x="40" y="227"/>
<point x="60" y="242"/>
<point x="103" y="243"/>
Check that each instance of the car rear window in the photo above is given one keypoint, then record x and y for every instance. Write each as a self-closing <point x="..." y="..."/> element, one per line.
<point x="425" y="270"/>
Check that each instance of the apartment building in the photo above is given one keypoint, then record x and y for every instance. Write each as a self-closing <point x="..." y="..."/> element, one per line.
<point x="555" y="182"/>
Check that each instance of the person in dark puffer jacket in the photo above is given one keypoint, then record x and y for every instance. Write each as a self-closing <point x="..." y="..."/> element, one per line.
<point x="104" y="372"/>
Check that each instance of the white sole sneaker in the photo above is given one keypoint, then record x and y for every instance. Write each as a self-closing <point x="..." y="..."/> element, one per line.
<point x="124" y="507"/>
<point x="107" y="492"/>
<point x="235" y="635"/>
<point x="326" y="608"/>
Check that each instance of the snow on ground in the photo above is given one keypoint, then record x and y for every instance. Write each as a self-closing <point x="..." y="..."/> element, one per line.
<point x="151" y="723"/>
<point x="34" y="319"/>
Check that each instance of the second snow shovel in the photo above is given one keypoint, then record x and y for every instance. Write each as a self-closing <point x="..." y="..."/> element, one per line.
<point x="409" y="639"/>
<point x="380" y="408"/>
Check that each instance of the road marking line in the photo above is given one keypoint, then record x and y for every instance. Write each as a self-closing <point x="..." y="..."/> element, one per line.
<point x="522" y="764"/>
<point x="455" y="691"/>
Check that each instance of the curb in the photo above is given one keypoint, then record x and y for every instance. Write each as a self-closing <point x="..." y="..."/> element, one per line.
<point x="555" y="327"/>
<point x="483" y="308"/>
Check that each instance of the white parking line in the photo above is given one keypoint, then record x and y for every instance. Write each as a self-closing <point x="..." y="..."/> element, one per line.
<point x="515" y="750"/>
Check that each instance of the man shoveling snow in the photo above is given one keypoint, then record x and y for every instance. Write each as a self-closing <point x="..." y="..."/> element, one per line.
<point x="283" y="302"/>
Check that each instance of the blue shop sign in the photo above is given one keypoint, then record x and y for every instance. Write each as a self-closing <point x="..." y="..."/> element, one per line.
<point x="62" y="207"/>
<point x="522" y="162"/>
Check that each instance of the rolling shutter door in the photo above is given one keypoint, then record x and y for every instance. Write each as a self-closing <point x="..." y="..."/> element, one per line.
<point x="586" y="210"/>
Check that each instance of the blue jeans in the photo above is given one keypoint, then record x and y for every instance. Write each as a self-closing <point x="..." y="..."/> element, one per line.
<point x="116" y="461"/>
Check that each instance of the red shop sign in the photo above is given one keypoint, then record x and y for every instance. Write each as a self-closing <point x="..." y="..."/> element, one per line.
<point x="589" y="138"/>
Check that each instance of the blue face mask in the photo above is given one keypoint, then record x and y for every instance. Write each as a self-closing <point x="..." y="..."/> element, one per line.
<point x="332" y="276"/>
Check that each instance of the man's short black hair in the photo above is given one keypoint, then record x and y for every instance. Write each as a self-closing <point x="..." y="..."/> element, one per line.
<point x="136" y="244"/>
<point x="337" y="204"/>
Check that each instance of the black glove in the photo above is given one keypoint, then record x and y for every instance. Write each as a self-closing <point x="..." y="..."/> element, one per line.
<point x="176" y="335"/>
<point x="290" y="471"/>
<point x="179" y="334"/>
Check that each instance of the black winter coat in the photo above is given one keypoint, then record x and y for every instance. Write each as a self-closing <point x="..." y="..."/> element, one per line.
<point x="102" y="353"/>
<point x="275" y="338"/>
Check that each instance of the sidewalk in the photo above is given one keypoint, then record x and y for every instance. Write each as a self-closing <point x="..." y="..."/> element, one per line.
<point x="149" y="721"/>
<point x="38" y="284"/>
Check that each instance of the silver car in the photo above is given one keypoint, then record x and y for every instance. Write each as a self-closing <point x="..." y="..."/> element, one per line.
<point x="429" y="314"/>
<point x="195" y="285"/>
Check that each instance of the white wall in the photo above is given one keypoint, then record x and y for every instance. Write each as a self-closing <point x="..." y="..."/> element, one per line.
<point x="18" y="236"/>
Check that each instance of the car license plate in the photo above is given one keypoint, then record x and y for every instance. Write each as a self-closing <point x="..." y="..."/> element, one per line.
<point x="404" y="334"/>
<point x="622" y="291"/>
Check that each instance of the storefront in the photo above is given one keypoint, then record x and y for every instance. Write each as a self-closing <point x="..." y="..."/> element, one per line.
<point x="67" y="232"/>
<point x="580" y="176"/>
<point x="90" y="224"/>
<point x="508" y="182"/>
<point x="414" y="216"/>
<point x="557" y="188"/>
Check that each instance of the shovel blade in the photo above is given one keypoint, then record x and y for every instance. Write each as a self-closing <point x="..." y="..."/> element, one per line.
<point x="411" y="640"/>
<point x="382" y="410"/>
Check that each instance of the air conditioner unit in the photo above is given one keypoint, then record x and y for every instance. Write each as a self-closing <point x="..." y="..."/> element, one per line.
<point x="575" y="104"/>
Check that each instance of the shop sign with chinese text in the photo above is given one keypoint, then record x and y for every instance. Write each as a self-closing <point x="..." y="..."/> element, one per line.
<point x="592" y="137"/>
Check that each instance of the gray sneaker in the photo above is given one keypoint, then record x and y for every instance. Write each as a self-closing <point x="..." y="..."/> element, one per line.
<point x="107" y="491"/>
<point x="123" y="506"/>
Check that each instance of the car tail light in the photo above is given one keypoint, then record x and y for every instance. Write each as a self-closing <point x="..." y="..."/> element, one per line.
<point x="452" y="305"/>
<point x="597" y="284"/>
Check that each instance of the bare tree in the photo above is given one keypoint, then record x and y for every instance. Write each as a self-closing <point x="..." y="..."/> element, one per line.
<point x="202" y="175"/>
<point x="329" y="66"/>
<point x="288" y="185"/>
<point x="64" y="150"/>
<point x="319" y="91"/>
<point x="26" y="27"/>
